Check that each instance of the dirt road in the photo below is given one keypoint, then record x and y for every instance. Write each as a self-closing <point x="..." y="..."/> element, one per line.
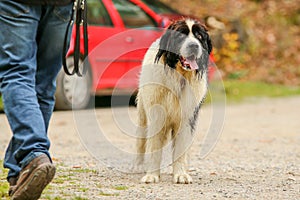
<point x="257" y="155"/>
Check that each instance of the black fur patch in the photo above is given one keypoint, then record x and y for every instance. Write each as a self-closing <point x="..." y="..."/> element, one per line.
<point x="168" y="45"/>
<point x="201" y="34"/>
<point x="193" y="119"/>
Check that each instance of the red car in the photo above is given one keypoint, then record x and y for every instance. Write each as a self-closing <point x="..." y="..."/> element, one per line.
<point x="119" y="34"/>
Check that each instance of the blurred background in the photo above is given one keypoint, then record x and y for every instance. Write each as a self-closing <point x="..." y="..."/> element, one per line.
<point x="255" y="40"/>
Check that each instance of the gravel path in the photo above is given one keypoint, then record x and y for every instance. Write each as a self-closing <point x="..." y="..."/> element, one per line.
<point x="257" y="156"/>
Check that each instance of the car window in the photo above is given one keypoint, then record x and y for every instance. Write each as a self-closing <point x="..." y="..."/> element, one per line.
<point x="97" y="14"/>
<point x="133" y="16"/>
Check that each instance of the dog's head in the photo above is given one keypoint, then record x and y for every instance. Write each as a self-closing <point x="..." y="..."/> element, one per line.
<point x="187" y="44"/>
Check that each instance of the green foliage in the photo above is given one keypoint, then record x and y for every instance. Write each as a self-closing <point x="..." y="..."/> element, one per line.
<point x="259" y="37"/>
<point x="237" y="75"/>
<point x="239" y="90"/>
<point x="121" y="187"/>
<point x="108" y="194"/>
<point x="73" y="180"/>
<point x="3" y="182"/>
<point x="66" y="181"/>
<point x="60" y="198"/>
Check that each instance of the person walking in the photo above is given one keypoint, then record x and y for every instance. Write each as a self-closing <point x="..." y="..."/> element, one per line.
<point x="31" y="44"/>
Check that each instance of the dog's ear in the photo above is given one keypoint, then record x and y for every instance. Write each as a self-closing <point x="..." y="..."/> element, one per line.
<point x="205" y="40"/>
<point x="207" y="47"/>
<point x="163" y="45"/>
<point x="209" y="44"/>
<point x="165" y="41"/>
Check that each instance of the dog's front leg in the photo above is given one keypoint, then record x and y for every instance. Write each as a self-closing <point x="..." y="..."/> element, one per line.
<point x="141" y="134"/>
<point x="138" y="165"/>
<point x="182" y="143"/>
<point x="154" y="151"/>
<point x="180" y="174"/>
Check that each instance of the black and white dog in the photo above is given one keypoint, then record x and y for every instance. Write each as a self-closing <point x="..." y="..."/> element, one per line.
<point x="173" y="84"/>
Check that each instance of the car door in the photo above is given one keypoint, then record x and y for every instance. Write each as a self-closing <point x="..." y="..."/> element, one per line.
<point x="140" y="30"/>
<point x="119" y="34"/>
<point x="104" y="28"/>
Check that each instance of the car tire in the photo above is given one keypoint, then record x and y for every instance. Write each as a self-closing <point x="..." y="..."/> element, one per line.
<point x="73" y="92"/>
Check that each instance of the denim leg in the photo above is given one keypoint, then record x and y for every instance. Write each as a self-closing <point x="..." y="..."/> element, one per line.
<point x="50" y="37"/>
<point x="17" y="78"/>
<point x="23" y="80"/>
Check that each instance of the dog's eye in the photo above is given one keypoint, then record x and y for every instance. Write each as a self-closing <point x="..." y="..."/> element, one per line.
<point x="199" y="36"/>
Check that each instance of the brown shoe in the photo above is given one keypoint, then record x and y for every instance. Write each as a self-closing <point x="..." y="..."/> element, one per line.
<point x="33" y="179"/>
<point x="12" y="184"/>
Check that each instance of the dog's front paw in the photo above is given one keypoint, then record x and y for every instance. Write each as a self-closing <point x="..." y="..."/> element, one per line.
<point x="150" y="178"/>
<point x="182" y="179"/>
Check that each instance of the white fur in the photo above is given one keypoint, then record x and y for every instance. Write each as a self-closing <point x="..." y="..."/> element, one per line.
<point x="190" y="39"/>
<point x="164" y="106"/>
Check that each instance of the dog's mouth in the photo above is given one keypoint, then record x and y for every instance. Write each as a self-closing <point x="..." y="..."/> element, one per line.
<point x="189" y="63"/>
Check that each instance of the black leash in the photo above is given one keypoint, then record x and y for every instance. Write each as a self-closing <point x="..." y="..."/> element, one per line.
<point x="80" y="12"/>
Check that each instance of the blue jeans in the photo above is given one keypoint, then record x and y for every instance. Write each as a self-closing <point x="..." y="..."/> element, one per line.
<point x="31" y="43"/>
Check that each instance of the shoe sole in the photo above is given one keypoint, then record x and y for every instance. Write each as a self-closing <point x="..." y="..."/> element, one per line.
<point x="33" y="187"/>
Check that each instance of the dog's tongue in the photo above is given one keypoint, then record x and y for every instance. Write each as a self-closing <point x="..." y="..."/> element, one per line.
<point x="193" y="64"/>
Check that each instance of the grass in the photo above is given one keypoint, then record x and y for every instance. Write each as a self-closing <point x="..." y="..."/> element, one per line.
<point x="121" y="187"/>
<point x="108" y="194"/>
<point x="69" y="183"/>
<point x="3" y="183"/>
<point x="233" y="91"/>
<point x="238" y="90"/>
<point x="60" y="198"/>
<point x="65" y="184"/>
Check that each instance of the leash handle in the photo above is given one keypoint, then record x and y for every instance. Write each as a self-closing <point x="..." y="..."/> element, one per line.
<point x="80" y="12"/>
<point x="66" y="40"/>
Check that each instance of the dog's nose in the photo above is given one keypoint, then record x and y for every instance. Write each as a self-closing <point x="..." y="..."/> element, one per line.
<point x="193" y="46"/>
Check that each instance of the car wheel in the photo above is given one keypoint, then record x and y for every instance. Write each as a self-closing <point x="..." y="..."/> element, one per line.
<point x="73" y="92"/>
